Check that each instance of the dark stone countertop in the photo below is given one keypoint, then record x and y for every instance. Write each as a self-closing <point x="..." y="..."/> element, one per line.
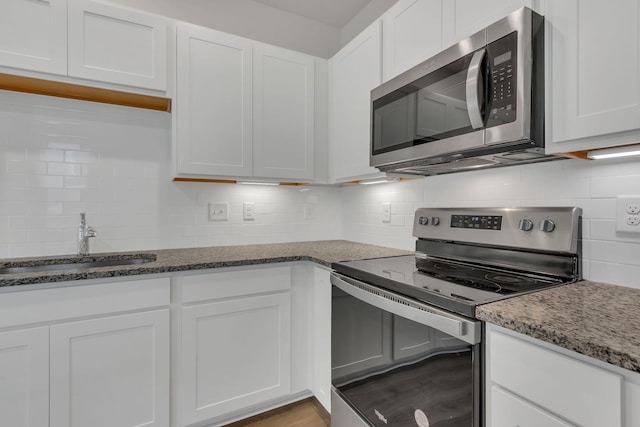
<point x="595" y="319"/>
<point x="173" y="260"/>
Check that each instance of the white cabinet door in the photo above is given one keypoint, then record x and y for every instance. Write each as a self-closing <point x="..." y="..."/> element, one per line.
<point x="33" y="35"/>
<point x="321" y="354"/>
<point x="24" y="378"/>
<point x="354" y="72"/>
<point x="117" y="45"/>
<point x="213" y="103"/>
<point x="411" y="33"/>
<point x="593" y="79"/>
<point x="461" y="18"/>
<point x="235" y="353"/>
<point x="111" y="371"/>
<point x="283" y="113"/>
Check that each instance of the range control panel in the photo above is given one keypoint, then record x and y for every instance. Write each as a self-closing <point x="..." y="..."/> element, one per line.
<point x="552" y="229"/>
<point x="478" y="222"/>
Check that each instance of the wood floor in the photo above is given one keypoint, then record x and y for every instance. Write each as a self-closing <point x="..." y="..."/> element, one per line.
<point x="306" y="413"/>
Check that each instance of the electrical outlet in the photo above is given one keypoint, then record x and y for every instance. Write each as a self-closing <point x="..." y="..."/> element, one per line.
<point x="633" y="208"/>
<point x="218" y="211"/>
<point x="386" y="212"/>
<point x="248" y="211"/>
<point x="628" y="214"/>
<point x="633" y="220"/>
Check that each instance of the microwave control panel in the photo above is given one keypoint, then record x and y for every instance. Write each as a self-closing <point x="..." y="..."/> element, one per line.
<point x="502" y="90"/>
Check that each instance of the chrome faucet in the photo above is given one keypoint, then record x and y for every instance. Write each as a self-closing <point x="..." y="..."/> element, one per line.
<point x="84" y="232"/>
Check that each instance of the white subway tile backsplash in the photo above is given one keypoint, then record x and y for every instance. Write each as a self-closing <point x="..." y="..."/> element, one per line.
<point x="62" y="157"/>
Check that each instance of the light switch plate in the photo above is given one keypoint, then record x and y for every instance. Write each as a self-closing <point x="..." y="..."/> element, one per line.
<point x="218" y="211"/>
<point x="248" y="211"/>
<point x="628" y="214"/>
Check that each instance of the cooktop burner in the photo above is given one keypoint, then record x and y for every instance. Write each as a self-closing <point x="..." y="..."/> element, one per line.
<point x="479" y="277"/>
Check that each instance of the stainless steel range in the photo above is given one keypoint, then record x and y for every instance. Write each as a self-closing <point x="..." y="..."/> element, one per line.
<point x="406" y="347"/>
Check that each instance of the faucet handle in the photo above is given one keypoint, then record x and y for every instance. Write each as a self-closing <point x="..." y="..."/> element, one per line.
<point x="90" y="232"/>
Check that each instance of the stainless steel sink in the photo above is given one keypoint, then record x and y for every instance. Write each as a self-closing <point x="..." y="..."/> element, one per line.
<point x="54" y="264"/>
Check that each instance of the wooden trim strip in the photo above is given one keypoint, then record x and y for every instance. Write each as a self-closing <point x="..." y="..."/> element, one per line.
<point x="84" y="93"/>
<point x="581" y="155"/>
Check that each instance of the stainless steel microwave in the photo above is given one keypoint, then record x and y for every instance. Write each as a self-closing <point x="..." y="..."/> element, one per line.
<point x="479" y="103"/>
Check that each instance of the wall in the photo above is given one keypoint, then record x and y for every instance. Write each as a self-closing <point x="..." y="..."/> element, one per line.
<point x="61" y="157"/>
<point x="250" y="19"/>
<point x="372" y="11"/>
<point x="593" y="186"/>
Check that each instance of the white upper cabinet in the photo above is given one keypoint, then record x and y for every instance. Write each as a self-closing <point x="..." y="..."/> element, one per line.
<point x="465" y="17"/>
<point x="213" y="103"/>
<point x="411" y="33"/>
<point x="593" y="74"/>
<point x="243" y="109"/>
<point x="86" y="39"/>
<point x="33" y="35"/>
<point x="117" y="45"/>
<point x="353" y="72"/>
<point x="283" y="113"/>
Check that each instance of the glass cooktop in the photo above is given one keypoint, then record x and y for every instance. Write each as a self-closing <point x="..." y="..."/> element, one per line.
<point x="458" y="287"/>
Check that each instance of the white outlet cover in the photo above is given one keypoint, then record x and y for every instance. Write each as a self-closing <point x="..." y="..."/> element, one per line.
<point x="627" y="222"/>
<point x="219" y="211"/>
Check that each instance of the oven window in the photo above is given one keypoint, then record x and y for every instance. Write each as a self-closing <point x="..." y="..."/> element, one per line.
<point x="393" y="371"/>
<point x="433" y="107"/>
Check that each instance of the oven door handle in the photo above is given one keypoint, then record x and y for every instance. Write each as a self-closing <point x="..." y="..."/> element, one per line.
<point x="451" y="324"/>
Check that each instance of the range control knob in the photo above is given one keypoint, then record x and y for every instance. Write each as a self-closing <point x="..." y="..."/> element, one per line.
<point x="547" y="226"/>
<point x="423" y="220"/>
<point x="435" y="220"/>
<point x="525" y="224"/>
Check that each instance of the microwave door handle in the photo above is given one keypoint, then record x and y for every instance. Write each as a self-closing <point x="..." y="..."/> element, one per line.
<point x="473" y="80"/>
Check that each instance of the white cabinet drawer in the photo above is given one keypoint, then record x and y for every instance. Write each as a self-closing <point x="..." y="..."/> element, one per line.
<point x="576" y="391"/>
<point x="229" y="284"/>
<point x="508" y="411"/>
<point x="51" y="305"/>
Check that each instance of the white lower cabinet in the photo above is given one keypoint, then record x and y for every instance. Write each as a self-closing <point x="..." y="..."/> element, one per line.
<point x="99" y="355"/>
<point x="235" y="345"/>
<point x="24" y="378"/>
<point x="111" y="371"/>
<point x="235" y="354"/>
<point x="531" y="383"/>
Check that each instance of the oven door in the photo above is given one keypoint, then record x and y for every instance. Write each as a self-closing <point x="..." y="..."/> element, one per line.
<point x="398" y="362"/>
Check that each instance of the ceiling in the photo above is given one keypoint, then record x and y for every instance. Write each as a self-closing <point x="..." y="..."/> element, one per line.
<point x="335" y="13"/>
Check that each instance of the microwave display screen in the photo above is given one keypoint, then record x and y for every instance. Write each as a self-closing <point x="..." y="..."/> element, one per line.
<point x="501" y="58"/>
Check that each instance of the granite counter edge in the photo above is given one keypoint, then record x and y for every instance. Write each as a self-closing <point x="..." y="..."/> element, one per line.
<point x="557" y="337"/>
